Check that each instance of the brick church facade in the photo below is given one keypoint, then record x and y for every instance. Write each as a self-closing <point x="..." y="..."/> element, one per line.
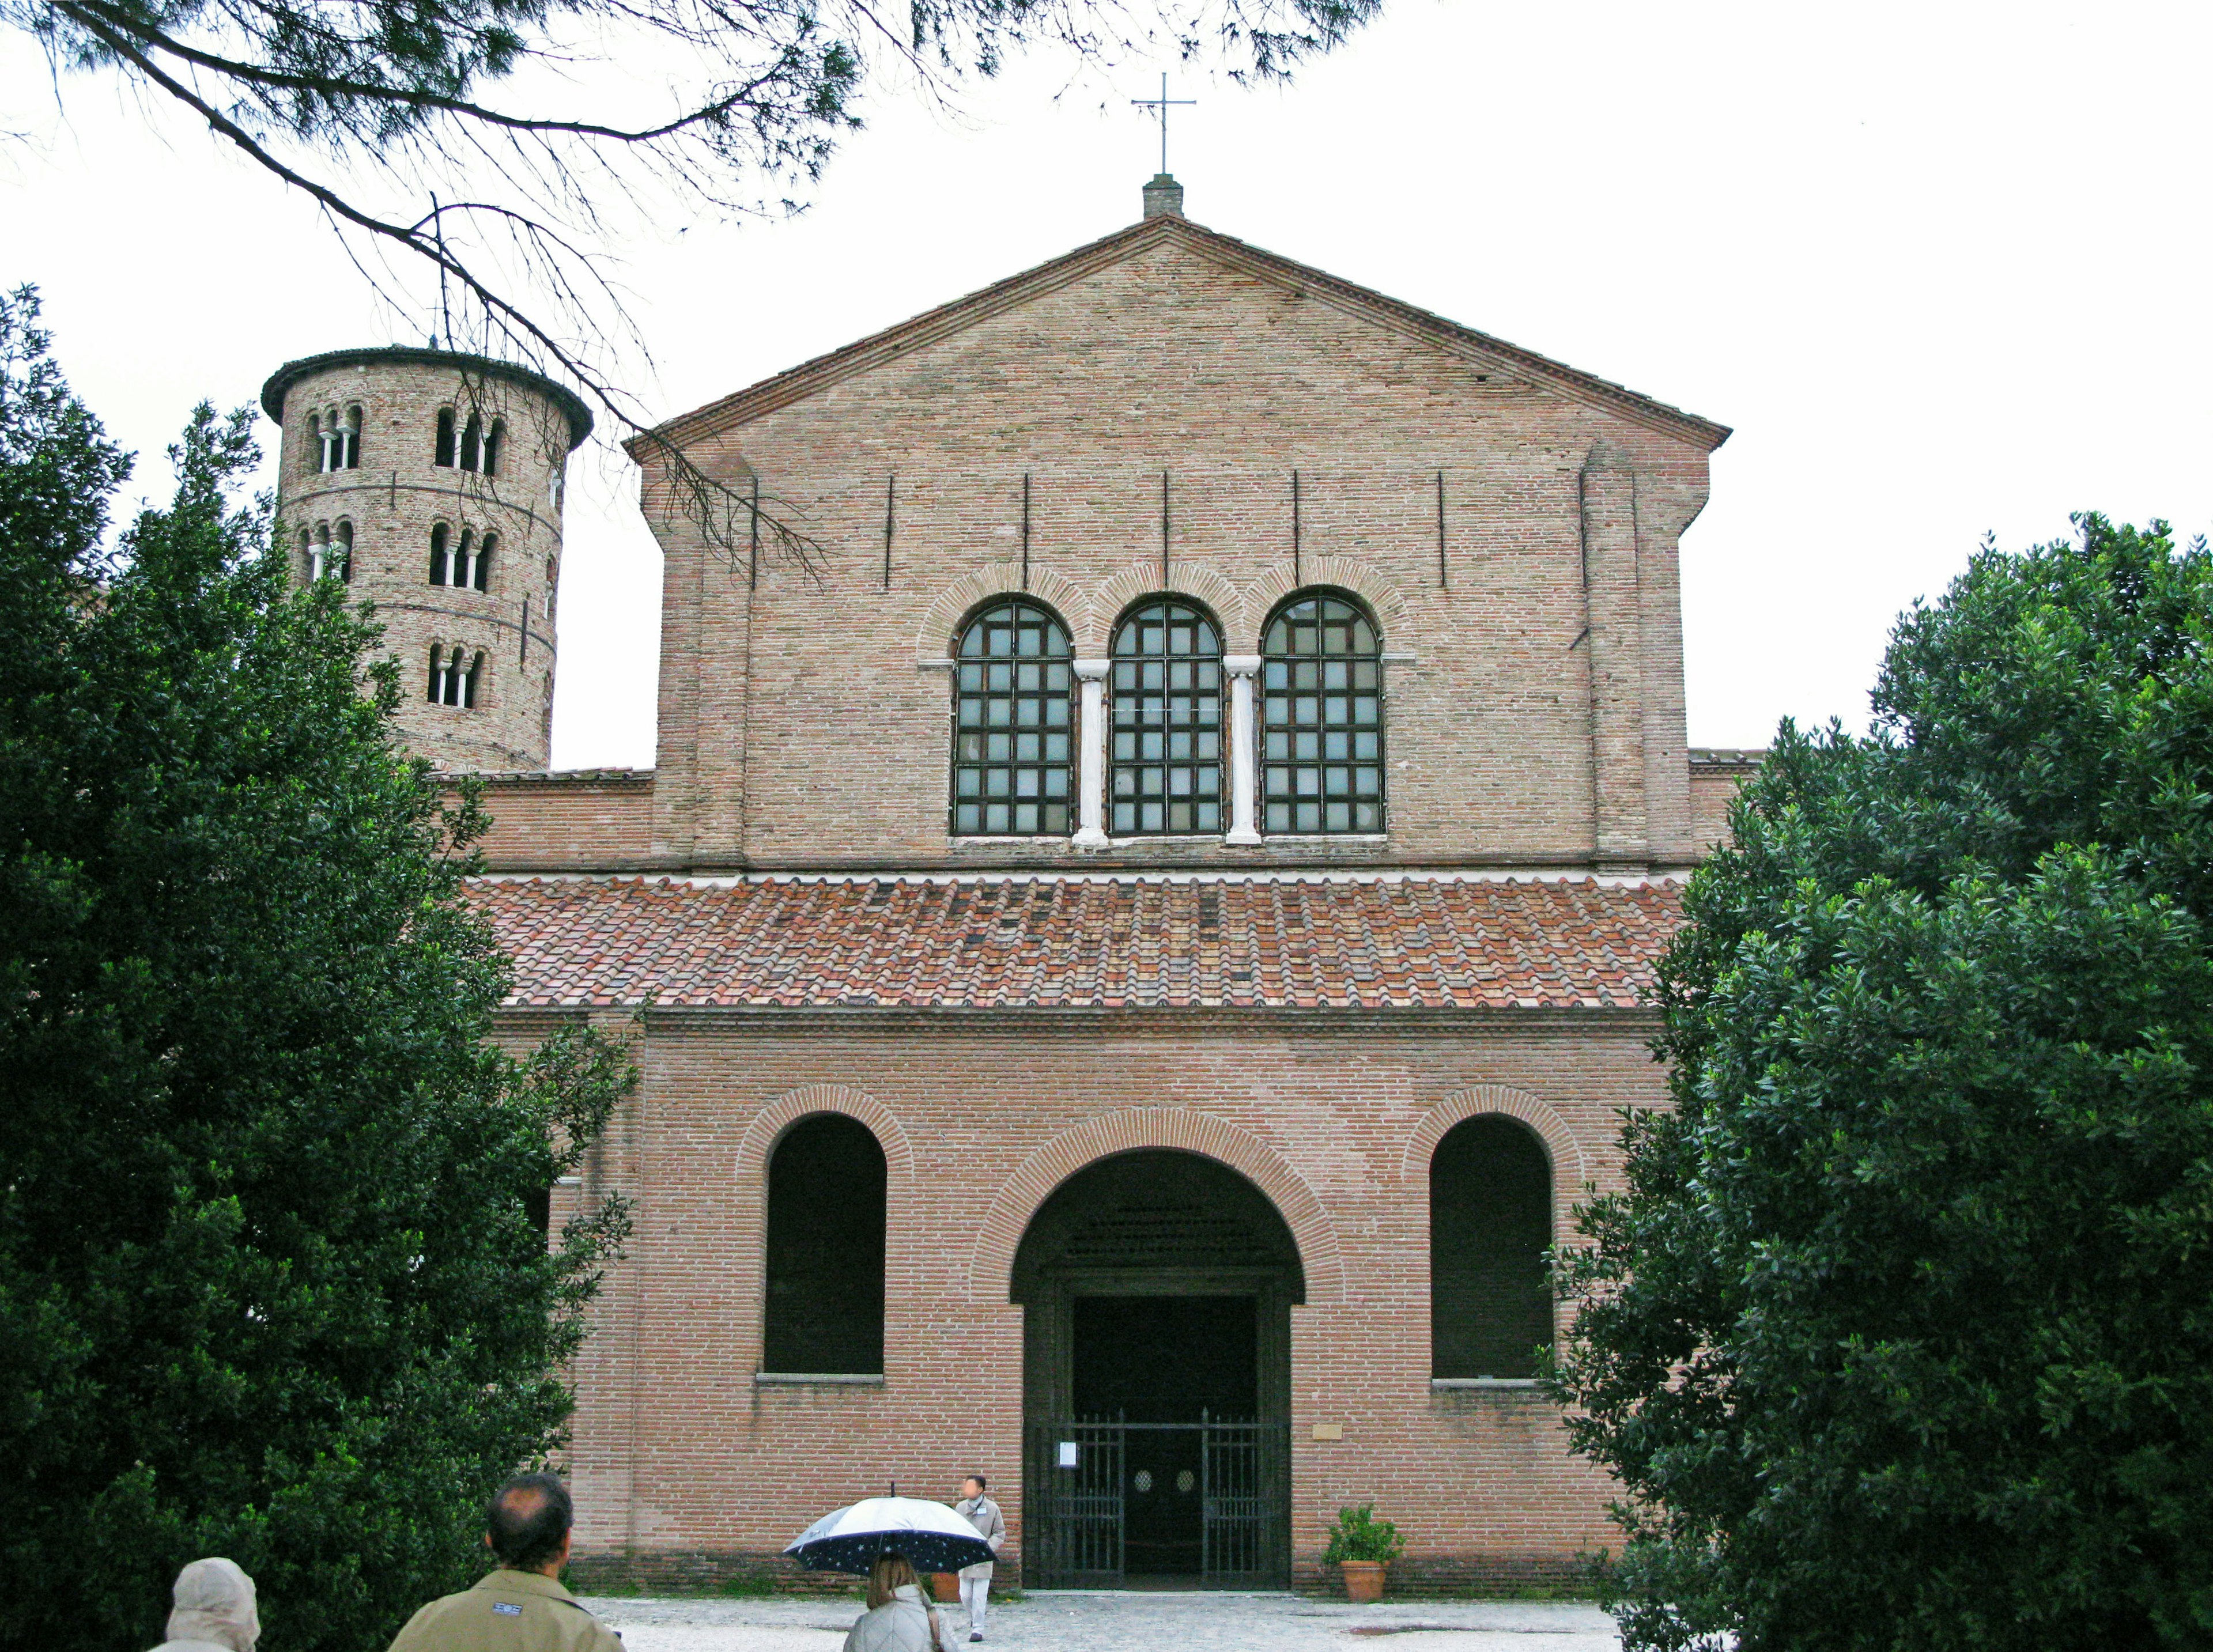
<point x="1136" y="946"/>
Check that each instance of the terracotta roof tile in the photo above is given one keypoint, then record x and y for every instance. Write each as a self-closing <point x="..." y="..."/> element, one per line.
<point x="1081" y="943"/>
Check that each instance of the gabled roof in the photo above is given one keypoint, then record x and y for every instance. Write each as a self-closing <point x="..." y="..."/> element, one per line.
<point x="1081" y="943"/>
<point x="809" y="378"/>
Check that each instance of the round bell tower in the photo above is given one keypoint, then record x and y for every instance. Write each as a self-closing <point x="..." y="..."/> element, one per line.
<point x="429" y="483"/>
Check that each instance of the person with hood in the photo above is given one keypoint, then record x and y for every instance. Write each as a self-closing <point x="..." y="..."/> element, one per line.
<point x="214" y="1609"/>
<point x="899" y="1618"/>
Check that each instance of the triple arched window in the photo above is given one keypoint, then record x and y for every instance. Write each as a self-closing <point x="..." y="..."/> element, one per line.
<point x="470" y="444"/>
<point x="1491" y="1224"/>
<point x="326" y="551"/>
<point x="1014" y="717"/>
<point x="456" y="674"/>
<point x="334" y="438"/>
<point x="1314" y="768"/>
<point x="463" y="560"/>
<point x="824" y="1262"/>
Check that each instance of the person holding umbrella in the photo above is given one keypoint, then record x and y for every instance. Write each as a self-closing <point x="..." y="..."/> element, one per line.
<point x="889" y="1538"/>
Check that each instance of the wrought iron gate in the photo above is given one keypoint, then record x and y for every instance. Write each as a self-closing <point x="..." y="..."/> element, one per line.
<point x="1075" y="1490"/>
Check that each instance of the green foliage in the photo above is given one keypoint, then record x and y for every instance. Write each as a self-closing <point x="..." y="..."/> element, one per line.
<point x="1900" y="1335"/>
<point x="269" y="1283"/>
<point x="1356" y="1534"/>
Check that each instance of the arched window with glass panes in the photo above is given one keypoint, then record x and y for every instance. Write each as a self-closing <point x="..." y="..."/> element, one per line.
<point x="1014" y="717"/>
<point x="1322" y="718"/>
<point x="1166" y="767"/>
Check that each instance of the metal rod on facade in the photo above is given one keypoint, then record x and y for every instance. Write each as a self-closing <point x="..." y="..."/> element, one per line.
<point x="522" y="656"/>
<point x="1443" y="578"/>
<point x="1298" y="576"/>
<point x="753" y="558"/>
<point x="891" y="492"/>
<point x="1164" y="528"/>
<point x="1026" y="530"/>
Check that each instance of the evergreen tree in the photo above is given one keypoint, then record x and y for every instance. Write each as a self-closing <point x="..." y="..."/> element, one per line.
<point x="1901" y="1333"/>
<point x="273" y="1280"/>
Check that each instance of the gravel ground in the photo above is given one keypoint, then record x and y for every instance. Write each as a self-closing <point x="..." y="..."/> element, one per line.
<point x="1085" y="1622"/>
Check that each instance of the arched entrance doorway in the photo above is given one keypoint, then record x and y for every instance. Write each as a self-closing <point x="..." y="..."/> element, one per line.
<point x="1157" y="1287"/>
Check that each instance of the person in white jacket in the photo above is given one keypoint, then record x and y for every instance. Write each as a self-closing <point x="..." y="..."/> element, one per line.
<point x="976" y="1581"/>
<point x="899" y="1618"/>
<point x="216" y="1611"/>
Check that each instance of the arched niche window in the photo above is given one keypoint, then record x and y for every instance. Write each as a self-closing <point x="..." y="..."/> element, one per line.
<point x="456" y="673"/>
<point x="329" y="552"/>
<point x="1166" y="776"/>
<point x="318" y="446"/>
<point x="824" y="1262"/>
<point x="1322" y="718"/>
<point x="462" y="561"/>
<point x="1490" y="1222"/>
<point x="1013" y="715"/>
<point x="443" y="453"/>
<point x="495" y="444"/>
<point x="473" y="443"/>
<point x="350" y="439"/>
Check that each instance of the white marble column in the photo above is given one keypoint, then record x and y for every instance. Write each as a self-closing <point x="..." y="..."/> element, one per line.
<point x="1244" y="756"/>
<point x="1091" y="755"/>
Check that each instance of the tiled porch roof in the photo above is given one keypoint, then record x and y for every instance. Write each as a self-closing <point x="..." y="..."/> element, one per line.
<point x="1082" y="943"/>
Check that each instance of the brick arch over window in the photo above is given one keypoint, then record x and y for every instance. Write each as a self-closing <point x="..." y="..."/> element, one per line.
<point x="769" y="1123"/>
<point x="1568" y="1170"/>
<point x="1265" y="594"/>
<point x="941" y="620"/>
<point x="991" y="1269"/>
<point x="1095" y="631"/>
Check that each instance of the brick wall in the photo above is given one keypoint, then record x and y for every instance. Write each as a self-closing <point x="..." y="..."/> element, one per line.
<point x="681" y="1463"/>
<point x="1715" y="778"/>
<point x="596" y="819"/>
<point x="1534" y="675"/>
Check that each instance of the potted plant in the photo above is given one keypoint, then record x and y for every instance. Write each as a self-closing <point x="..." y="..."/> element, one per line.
<point x="1363" y="1546"/>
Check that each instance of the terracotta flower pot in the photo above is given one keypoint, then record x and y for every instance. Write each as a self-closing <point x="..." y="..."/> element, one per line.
<point x="1363" y="1580"/>
<point x="946" y="1586"/>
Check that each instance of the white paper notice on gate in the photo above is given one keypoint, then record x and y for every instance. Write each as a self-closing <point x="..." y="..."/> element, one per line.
<point x="1068" y="1453"/>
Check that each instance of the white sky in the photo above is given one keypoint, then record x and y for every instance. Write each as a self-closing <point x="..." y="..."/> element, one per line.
<point x="1942" y="268"/>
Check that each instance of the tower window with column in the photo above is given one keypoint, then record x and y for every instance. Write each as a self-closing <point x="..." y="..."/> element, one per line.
<point x="1012" y="713"/>
<point x="1322" y="718"/>
<point x="456" y="673"/>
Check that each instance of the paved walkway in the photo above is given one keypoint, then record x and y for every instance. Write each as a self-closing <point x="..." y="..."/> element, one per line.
<point x="1136" y="1623"/>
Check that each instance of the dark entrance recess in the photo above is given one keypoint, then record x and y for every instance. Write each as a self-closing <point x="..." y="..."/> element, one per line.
<point x="826" y="1251"/>
<point x="1158" y="1287"/>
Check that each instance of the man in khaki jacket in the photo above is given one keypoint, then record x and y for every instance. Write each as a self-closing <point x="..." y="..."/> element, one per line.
<point x="520" y="1606"/>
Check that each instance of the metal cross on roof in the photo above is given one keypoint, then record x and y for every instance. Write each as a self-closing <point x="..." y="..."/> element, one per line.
<point x="1160" y="106"/>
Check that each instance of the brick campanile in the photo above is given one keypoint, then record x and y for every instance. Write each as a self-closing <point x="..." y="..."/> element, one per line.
<point x="431" y="481"/>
